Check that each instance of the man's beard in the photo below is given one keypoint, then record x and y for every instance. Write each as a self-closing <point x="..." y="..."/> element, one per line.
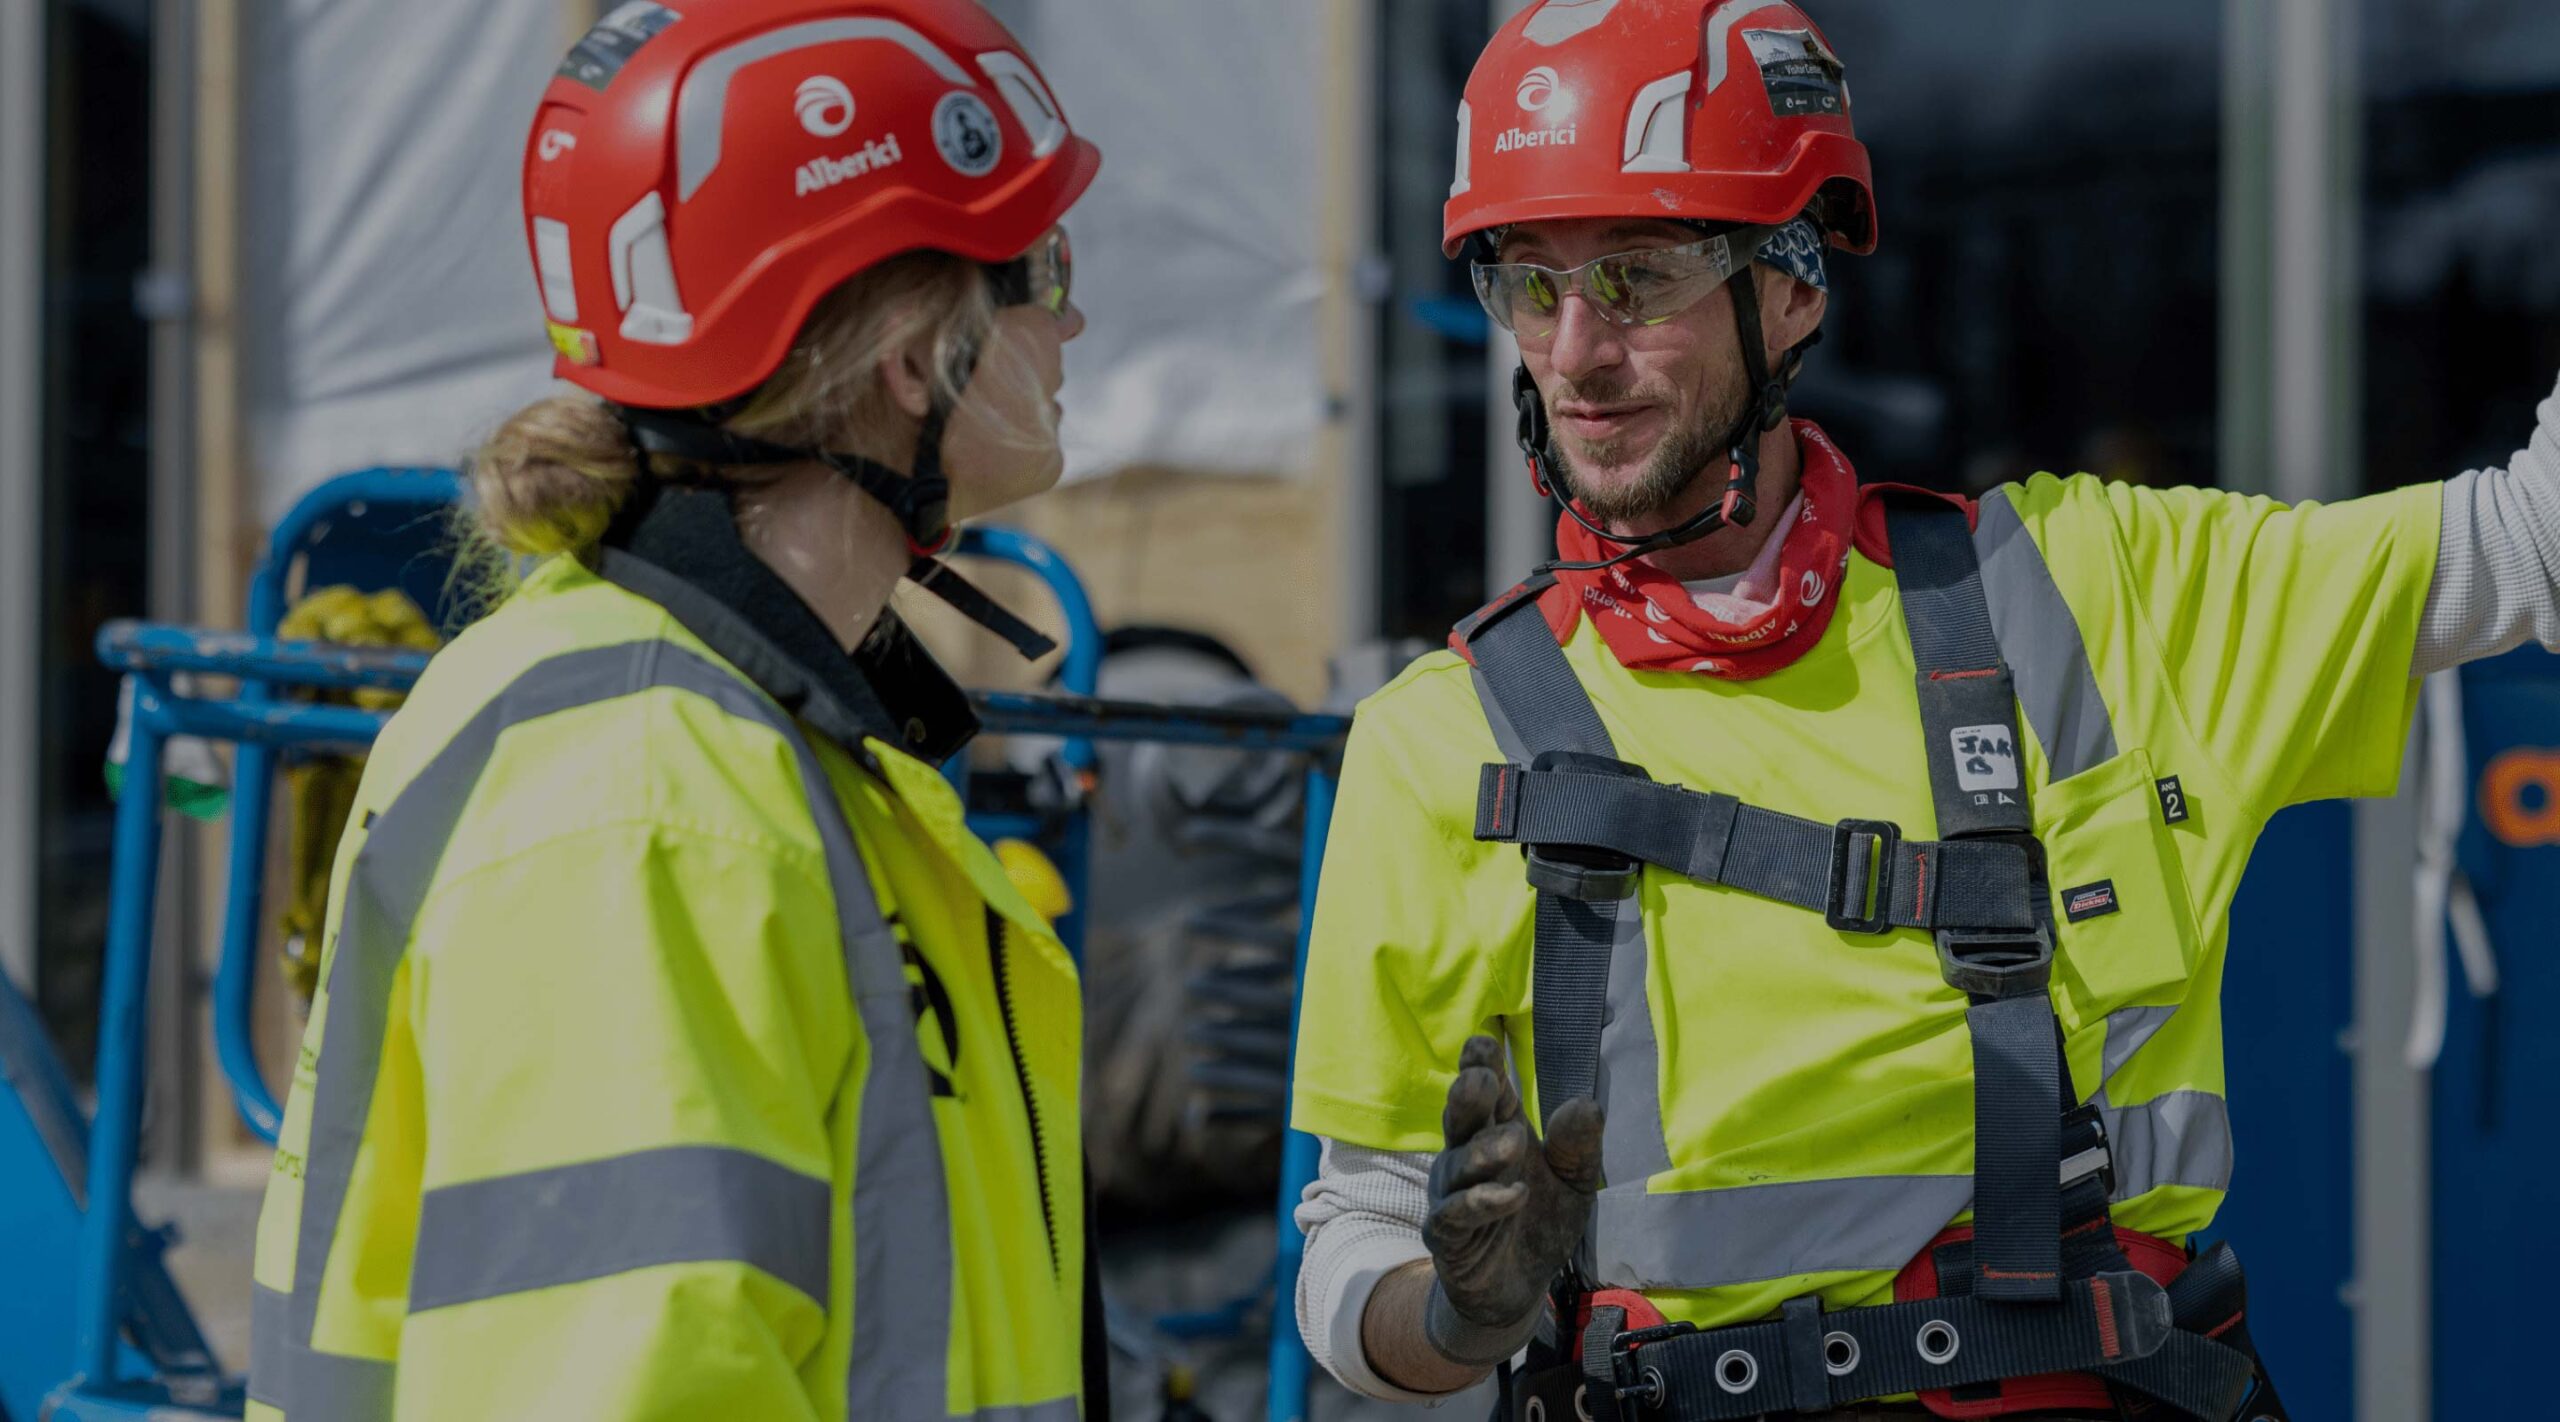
<point x="1677" y="462"/>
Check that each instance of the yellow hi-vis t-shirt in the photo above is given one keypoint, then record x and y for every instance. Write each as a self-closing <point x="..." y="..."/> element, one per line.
<point x="1814" y="1085"/>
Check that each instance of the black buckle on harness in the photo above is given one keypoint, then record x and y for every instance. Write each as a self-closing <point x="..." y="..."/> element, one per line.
<point x="1582" y="871"/>
<point x="2086" y="1151"/>
<point x="1853" y="907"/>
<point x="1642" y="1385"/>
<point x="1999" y="962"/>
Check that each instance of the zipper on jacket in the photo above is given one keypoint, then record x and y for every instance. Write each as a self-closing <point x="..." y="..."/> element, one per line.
<point x="1022" y="1074"/>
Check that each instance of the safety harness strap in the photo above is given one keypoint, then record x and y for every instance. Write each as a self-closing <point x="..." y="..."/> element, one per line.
<point x="1533" y="689"/>
<point x="1969" y="722"/>
<point x="1525" y="670"/>
<point x="1861" y="875"/>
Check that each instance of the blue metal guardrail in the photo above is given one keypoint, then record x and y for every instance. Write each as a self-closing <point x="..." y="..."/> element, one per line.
<point x="108" y="1260"/>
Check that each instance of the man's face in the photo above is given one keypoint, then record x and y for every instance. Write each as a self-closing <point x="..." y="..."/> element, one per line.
<point x="1634" y="412"/>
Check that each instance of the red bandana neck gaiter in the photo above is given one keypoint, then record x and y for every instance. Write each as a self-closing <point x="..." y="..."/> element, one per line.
<point x="1652" y="623"/>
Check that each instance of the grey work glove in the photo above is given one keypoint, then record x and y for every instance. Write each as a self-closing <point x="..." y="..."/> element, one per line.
<point x="1507" y="1210"/>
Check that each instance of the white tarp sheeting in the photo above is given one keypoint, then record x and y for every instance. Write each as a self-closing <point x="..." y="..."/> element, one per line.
<point x="390" y="315"/>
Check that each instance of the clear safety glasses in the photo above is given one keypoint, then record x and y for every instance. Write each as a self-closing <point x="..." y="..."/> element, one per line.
<point x="1639" y="288"/>
<point x="1043" y="277"/>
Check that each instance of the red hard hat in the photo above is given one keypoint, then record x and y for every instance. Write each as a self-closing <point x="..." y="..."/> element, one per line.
<point x="695" y="182"/>
<point x="1693" y="110"/>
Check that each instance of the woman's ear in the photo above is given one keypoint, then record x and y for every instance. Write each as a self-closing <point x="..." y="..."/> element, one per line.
<point x="907" y="374"/>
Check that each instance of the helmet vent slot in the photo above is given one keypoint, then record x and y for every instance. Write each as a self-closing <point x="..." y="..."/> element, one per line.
<point x="1657" y="127"/>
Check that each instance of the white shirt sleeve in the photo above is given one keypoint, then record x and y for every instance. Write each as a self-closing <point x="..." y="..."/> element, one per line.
<point x="1363" y="1220"/>
<point x="2497" y="582"/>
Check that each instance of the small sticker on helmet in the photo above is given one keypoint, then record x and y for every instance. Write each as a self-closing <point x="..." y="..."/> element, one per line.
<point x="595" y="59"/>
<point x="576" y="345"/>
<point x="966" y="134"/>
<point x="1800" y="72"/>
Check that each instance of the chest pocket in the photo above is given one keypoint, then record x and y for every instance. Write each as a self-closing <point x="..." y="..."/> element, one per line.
<point x="2125" y="932"/>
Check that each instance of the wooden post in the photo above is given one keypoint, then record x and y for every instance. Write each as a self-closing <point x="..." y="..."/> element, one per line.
<point x="225" y="543"/>
<point x="224" y="496"/>
<point x="1346" y="320"/>
<point x="22" y="188"/>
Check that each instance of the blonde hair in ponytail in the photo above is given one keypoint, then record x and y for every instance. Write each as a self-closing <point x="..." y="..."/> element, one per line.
<point x="552" y="477"/>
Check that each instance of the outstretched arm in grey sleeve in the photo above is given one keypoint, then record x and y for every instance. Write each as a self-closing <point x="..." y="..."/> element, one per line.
<point x="2497" y="582"/>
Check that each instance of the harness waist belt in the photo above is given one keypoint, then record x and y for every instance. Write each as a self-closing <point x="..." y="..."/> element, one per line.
<point x="1811" y="1361"/>
<point x="1860" y="874"/>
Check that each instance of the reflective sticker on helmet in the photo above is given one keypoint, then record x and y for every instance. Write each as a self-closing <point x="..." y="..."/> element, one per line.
<point x="576" y="346"/>
<point x="1800" y="72"/>
<point x="966" y="134"/>
<point x="1021" y="86"/>
<point x="1559" y="20"/>
<point x="552" y="262"/>
<point x="595" y="59"/>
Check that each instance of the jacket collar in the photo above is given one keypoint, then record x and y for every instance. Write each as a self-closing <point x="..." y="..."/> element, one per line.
<point x="680" y="549"/>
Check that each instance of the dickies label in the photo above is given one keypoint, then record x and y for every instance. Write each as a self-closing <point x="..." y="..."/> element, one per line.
<point x="2090" y="900"/>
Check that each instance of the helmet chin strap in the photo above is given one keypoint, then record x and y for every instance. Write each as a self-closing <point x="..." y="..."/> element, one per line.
<point x="920" y="501"/>
<point x="1739" y="505"/>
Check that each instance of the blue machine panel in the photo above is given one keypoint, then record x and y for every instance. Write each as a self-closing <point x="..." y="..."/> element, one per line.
<point x="2288" y="992"/>
<point x="2495" y="1152"/>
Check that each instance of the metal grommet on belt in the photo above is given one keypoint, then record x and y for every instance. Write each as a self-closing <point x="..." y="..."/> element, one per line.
<point x="1938" y="1342"/>
<point x="1839" y="1354"/>
<point x="1582" y="1402"/>
<point x="1536" y="1411"/>
<point x="1737" y="1371"/>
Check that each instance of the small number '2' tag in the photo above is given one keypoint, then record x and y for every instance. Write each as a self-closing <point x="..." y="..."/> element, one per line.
<point x="2173" y="800"/>
<point x="2089" y="900"/>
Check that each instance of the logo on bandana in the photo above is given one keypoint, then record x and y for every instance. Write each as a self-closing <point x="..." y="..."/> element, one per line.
<point x="1813" y="587"/>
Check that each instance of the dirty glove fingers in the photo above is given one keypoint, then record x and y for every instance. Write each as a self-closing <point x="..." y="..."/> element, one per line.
<point x="1573" y="1144"/>
<point x="1474" y="1100"/>
<point x="1486" y="1054"/>
<point x="1498" y="1154"/>
<point x="1478" y="1208"/>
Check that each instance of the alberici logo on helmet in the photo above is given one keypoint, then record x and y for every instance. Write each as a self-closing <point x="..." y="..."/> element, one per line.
<point x="1727" y="114"/>
<point x="683" y="224"/>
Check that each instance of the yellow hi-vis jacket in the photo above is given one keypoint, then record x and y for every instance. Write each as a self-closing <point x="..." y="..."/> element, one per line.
<point x="1791" y="1107"/>
<point x="677" y="1055"/>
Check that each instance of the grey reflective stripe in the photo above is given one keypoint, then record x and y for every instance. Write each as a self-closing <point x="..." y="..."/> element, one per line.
<point x="1704" y="1239"/>
<point x="678" y="1205"/>
<point x="1633" y="1149"/>
<point x="306" y="1385"/>
<point x="901" y="1213"/>
<point x="2040" y="639"/>
<point x="2129" y="1029"/>
<point x="2179" y="1138"/>
<point x="702" y="106"/>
